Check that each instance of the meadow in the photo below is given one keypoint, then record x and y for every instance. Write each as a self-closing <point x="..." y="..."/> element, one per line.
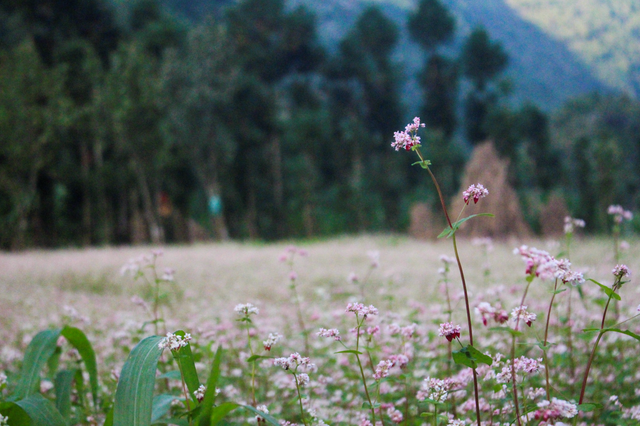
<point x="391" y="342"/>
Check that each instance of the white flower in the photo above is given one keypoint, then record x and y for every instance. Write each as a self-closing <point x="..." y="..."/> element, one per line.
<point x="174" y="342"/>
<point x="246" y="309"/>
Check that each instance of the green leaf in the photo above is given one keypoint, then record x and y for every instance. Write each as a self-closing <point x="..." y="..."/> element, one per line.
<point x="424" y="164"/>
<point x="349" y="351"/>
<point x="134" y="394"/>
<point x="40" y="349"/>
<point x="626" y="332"/>
<point x="558" y="291"/>
<point x="479" y="356"/>
<point x="267" y="417"/>
<point x="608" y="291"/>
<point x="204" y="419"/>
<point x="171" y="421"/>
<point x="589" y="406"/>
<point x="41" y="411"/>
<point x="449" y="231"/>
<point x="171" y="375"/>
<point x="108" y="421"/>
<point x="18" y="416"/>
<point x="470" y="357"/>
<point x="78" y="340"/>
<point x="221" y="411"/>
<point x="544" y="347"/>
<point x="63" y="385"/>
<point x="184" y="358"/>
<point x="161" y="405"/>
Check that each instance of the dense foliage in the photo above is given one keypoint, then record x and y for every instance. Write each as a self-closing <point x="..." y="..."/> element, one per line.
<point x="131" y="126"/>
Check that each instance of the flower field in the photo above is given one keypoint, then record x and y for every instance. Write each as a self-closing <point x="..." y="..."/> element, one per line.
<point x="347" y="331"/>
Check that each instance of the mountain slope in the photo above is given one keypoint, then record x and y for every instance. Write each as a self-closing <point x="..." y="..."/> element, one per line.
<point x="605" y="33"/>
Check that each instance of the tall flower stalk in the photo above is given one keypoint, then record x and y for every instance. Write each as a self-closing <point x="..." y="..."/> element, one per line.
<point x="410" y="141"/>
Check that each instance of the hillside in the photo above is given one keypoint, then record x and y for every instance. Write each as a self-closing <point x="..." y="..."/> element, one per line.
<point x="544" y="69"/>
<point x="604" y="33"/>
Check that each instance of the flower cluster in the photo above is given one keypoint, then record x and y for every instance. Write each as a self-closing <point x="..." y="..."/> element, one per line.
<point x="619" y="213"/>
<point x="332" y="332"/>
<point x="293" y="361"/>
<point x="246" y="309"/>
<point x="408" y="138"/>
<point x="621" y="271"/>
<point x="449" y="331"/>
<point x="271" y="340"/>
<point x="486" y="311"/>
<point x="555" y="409"/>
<point x="571" y="223"/>
<point x="382" y="369"/>
<point x="564" y="273"/>
<point x="174" y="341"/>
<point x="362" y="311"/>
<point x="521" y="313"/>
<point x="4" y="420"/>
<point x="199" y="393"/>
<point x="476" y="192"/>
<point x="263" y="409"/>
<point x="434" y="389"/>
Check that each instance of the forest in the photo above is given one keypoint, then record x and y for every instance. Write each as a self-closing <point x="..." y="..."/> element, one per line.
<point x="122" y="122"/>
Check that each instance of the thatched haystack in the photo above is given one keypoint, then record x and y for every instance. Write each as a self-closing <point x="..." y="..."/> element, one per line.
<point x="423" y="225"/>
<point x="487" y="168"/>
<point x="552" y="216"/>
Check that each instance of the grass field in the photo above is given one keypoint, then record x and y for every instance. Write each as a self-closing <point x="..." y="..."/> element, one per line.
<point x="41" y="289"/>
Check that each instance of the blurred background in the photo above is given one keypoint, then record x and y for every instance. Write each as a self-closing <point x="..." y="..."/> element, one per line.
<point x="171" y="121"/>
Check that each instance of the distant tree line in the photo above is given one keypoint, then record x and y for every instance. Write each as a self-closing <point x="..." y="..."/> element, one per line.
<point x="133" y="127"/>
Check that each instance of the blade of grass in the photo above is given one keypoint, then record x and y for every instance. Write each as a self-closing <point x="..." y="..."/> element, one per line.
<point x="78" y="340"/>
<point x="134" y="394"/>
<point x="40" y="349"/>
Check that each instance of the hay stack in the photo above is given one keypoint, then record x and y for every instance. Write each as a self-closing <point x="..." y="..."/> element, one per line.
<point x="423" y="225"/>
<point x="487" y="168"/>
<point x="552" y="216"/>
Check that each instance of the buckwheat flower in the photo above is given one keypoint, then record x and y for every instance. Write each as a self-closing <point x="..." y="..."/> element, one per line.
<point x="400" y="360"/>
<point x="571" y="223"/>
<point x="408" y="331"/>
<point x="199" y="393"/>
<point x="271" y="340"/>
<point x="263" y="409"/>
<point x="449" y="331"/>
<point x="372" y="331"/>
<point x="360" y="310"/>
<point x="246" y="309"/>
<point x="168" y="274"/>
<point x="382" y="369"/>
<point x="434" y="389"/>
<point x="476" y="192"/>
<point x="485" y="310"/>
<point x="3" y="380"/>
<point x="455" y="422"/>
<point x="4" y="420"/>
<point x="619" y="213"/>
<point x="408" y="138"/>
<point x="174" y="342"/>
<point x="528" y="365"/>
<point x="302" y="379"/>
<point x="293" y="276"/>
<point x="555" y="409"/>
<point x="332" y="332"/>
<point x="624" y="246"/>
<point x="353" y="278"/>
<point x="521" y="313"/>
<point x="621" y="271"/>
<point x="395" y="415"/>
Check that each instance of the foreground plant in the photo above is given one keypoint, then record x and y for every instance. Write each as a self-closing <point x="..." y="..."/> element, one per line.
<point x="410" y="141"/>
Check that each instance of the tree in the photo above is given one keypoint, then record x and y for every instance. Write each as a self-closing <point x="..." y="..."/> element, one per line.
<point x="33" y="112"/>
<point x="431" y="25"/>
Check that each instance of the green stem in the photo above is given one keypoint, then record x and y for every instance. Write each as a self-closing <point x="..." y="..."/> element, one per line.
<point x="295" y="377"/>
<point x="253" y="370"/>
<point x="595" y="346"/>
<point x="546" y="334"/>
<point x="364" y="380"/>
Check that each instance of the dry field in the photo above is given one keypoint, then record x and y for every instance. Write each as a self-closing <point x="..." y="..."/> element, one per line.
<point x="85" y="288"/>
<point x="210" y="279"/>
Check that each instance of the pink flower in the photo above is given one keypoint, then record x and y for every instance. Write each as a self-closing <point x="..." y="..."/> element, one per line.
<point x="408" y="138"/>
<point x="333" y="333"/>
<point x="621" y="271"/>
<point x="476" y="192"/>
<point x="521" y="313"/>
<point x="449" y="331"/>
